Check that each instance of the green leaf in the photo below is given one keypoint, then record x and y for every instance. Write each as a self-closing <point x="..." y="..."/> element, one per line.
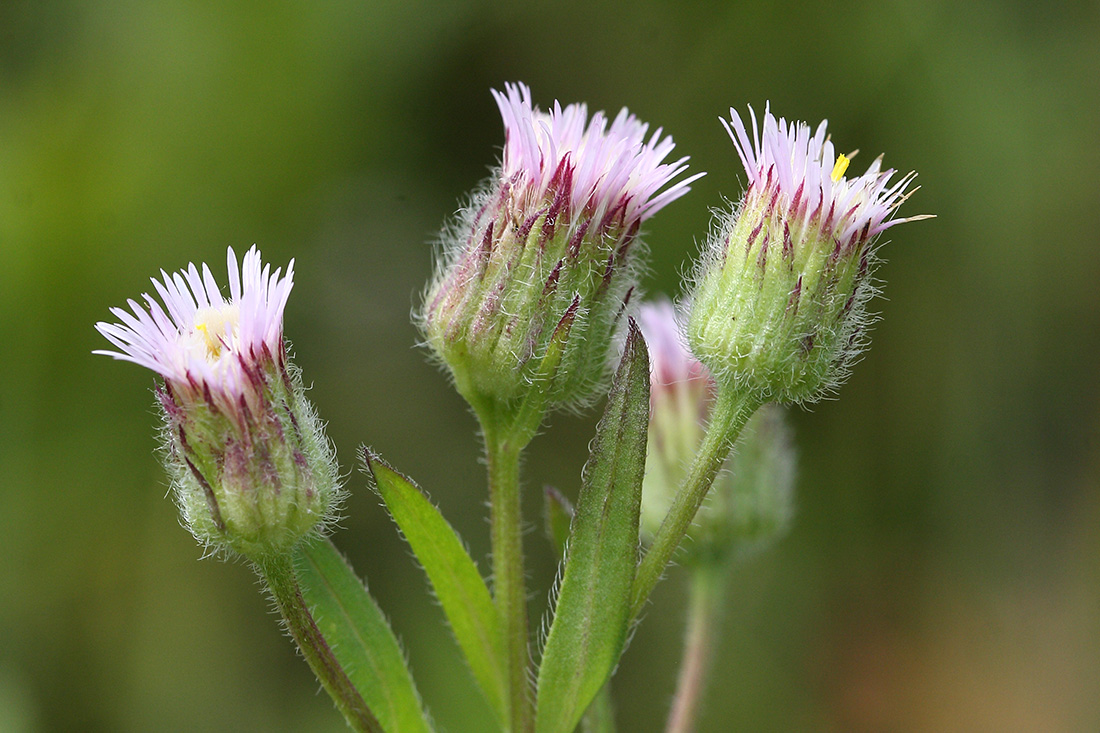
<point x="592" y="615"/>
<point x="359" y="636"/>
<point x="458" y="585"/>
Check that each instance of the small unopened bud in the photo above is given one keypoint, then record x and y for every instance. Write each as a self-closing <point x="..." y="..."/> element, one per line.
<point x="252" y="470"/>
<point x="778" y="307"/>
<point x="751" y="501"/>
<point x="548" y="250"/>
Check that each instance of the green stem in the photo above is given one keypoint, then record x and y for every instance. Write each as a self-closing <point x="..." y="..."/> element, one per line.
<point x="281" y="579"/>
<point x="509" y="585"/>
<point x="704" y="605"/>
<point x="730" y="413"/>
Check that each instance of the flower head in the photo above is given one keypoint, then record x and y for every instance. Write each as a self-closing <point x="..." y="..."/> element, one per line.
<point x="805" y="177"/>
<point x="750" y="503"/>
<point x="778" y="305"/>
<point x="253" y="471"/>
<point x="199" y="341"/>
<point x="544" y="259"/>
<point x="613" y="170"/>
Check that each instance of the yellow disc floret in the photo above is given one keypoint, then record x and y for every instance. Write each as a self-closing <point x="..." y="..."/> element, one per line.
<point x="217" y="327"/>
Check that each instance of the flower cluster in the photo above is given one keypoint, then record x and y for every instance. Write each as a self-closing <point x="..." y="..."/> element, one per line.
<point x="524" y="310"/>
<point x="778" y="304"/>
<point x="548" y="251"/>
<point x="253" y="471"/>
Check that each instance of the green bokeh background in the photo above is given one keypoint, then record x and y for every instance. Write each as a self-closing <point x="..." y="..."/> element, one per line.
<point x="943" y="573"/>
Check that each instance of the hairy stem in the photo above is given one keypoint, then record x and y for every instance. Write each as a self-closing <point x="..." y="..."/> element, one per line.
<point x="704" y="605"/>
<point x="279" y="576"/>
<point x="509" y="584"/>
<point x="730" y="413"/>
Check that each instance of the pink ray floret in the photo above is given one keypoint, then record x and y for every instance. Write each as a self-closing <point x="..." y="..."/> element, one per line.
<point x="610" y="165"/>
<point x="198" y="338"/>
<point x="671" y="360"/>
<point x="807" y="174"/>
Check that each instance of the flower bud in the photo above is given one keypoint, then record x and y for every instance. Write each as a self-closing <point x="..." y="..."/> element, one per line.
<point x="548" y="250"/>
<point x="252" y="470"/>
<point x="778" y="307"/>
<point x="750" y="503"/>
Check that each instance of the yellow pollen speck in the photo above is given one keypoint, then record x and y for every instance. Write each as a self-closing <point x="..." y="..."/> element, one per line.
<point x="842" y="162"/>
<point x="211" y="340"/>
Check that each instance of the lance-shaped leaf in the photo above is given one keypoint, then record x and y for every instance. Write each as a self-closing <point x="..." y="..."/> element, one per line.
<point x="359" y="636"/>
<point x="592" y="614"/>
<point x="455" y="579"/>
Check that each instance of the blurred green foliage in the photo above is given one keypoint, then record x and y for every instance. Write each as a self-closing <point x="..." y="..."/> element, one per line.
<point x="942" y="573"/>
